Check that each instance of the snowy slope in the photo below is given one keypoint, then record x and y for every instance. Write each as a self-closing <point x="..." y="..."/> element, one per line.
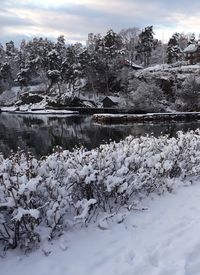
<point x="162" y="240"/>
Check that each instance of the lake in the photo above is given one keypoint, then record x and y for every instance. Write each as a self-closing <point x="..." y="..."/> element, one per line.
<point x="40" y="134"/>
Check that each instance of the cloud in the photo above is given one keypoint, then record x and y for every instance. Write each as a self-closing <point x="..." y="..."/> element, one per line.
<point x="76" y="18"/>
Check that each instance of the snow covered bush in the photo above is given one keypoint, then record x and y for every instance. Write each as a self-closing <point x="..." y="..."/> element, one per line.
<point x="188" y="97"/>
<point x="69" y="187"/>
<point x="147" y="97"/>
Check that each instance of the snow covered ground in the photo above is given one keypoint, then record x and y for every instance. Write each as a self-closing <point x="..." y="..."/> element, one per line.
<point x="34" y="111"/>
<point x="162" y="240"/>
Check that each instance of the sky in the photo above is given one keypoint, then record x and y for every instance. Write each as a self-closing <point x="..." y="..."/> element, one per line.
<point x="24" y="19"/>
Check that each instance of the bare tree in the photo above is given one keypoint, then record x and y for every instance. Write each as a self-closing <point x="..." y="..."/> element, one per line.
<point x="130" y="38"/>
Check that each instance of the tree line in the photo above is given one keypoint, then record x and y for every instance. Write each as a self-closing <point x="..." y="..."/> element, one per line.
<point x="96" y="66"/>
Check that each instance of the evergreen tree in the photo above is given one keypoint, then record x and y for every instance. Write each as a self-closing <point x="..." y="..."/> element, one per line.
<point x="10" y="49"/>
<point x="71" y="66"/>
<point x="54" y="72"/>
<point x="145" y="45"/>
<point x="174" y="52"/>
<point x="61" y="47"/>
<point x="11" y="63"/>
<point x="6" y="74"/>
<point x="108" y="56"/>
<point x="2" y="53"/>
<point x="23" y="77"/>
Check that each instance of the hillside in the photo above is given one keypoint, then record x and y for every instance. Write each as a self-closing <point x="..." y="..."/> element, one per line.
<point x="159" y="88"/>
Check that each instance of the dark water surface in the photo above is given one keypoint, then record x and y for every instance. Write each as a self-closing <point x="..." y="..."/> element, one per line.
<point x="40" y="134"/>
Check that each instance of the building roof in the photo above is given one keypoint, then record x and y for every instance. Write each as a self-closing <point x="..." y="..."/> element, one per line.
<point x="132" y="64"/>
<point x="136" y="66"/>
<point x="191" y="48"/>
<point x="114" y="99"/>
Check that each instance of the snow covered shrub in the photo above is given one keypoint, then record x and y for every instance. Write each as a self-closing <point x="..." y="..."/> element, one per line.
<point x="188" y="98"/>
<point x="18" y="213"/>
<point x="69" y="187"/>
<point x="147" y="97"/>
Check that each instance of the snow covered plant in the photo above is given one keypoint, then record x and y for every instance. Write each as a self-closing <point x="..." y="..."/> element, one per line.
<point x="18" y="209"/>
<point x="69" y="187"/>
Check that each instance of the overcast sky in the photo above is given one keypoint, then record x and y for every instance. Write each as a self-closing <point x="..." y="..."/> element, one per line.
<point x="76" y="18"/>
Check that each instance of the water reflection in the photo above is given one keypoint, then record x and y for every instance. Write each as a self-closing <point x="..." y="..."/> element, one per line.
<point x="40" y="134"/>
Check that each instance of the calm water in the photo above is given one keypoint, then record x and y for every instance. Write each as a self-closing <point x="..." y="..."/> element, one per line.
<point x="39" y="134"/>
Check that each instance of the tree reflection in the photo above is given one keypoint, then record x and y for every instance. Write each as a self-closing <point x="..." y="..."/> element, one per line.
<point x="41" y="134"/>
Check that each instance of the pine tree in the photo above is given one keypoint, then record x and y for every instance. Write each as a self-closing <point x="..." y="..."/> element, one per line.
<point x="174" y="52"/>
<point x="108" y="55"/>
<point x="146" y="44"/>
<point x="23" y="77"/>
<point x="61" y="47"/>
<point x="10" y="49"/>
<point x="6" y="73"/>
<point x="71" y="66"/>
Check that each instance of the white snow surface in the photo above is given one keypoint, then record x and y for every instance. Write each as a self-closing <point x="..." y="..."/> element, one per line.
<point x="191" y="48"/>
<point x="32" y="109"/>
<point x="47" y="112"/>
<point x="161" y="240"/>
<point x="166" y="71"/>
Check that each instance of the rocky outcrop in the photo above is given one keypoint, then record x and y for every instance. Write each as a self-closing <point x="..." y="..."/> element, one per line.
<point x="28" y="98"/>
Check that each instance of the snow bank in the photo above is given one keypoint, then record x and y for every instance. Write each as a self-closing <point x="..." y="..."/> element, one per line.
<point x="68" y="188"/>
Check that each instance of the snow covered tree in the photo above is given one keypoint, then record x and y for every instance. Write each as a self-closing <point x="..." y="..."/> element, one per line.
<point x="110" y="44"/>
<point x="54" y="77"/>
<point x="145" y="45"/>
<point x="88" y="62"/>
<point x="108" y="52"/>
<point x="34" y="55"/>
<point x="54" y="60"/>
<point x="2" y="53"/>
<point x="60" y="47"/>
<point x="28" y="61"/>
<point x="10" y="63"/>
<point x="174" y="52"/>
<point x="91" y="42"/>
<point x="23" y="77"/>
<point x="6" y="73"/>
<point x="71" y="67"/>
<point x="54" y="72"/>
<point x="10" y="49"/>
<point x="182" y="40"/>
<point x="192" y="39"/>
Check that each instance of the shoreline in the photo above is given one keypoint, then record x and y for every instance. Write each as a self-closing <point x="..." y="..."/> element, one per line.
<point x="107" y="115"/>
<point x="149" y="117"/>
